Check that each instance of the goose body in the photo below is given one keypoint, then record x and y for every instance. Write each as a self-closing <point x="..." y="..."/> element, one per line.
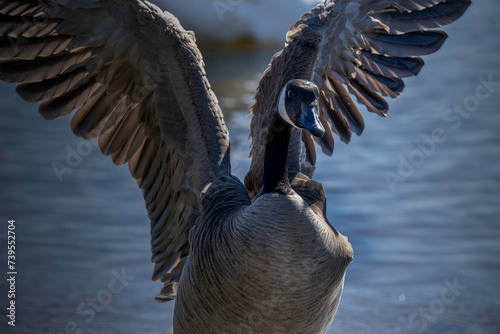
<point x="257" y="257"/>
<point x="260" y="264"/>
<point x="271" y="266"/>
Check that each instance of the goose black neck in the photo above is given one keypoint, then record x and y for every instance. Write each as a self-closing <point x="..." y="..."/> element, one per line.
<point x="275" y="160"/>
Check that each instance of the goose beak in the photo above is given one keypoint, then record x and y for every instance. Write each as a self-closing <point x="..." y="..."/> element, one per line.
<point x="309" y="120"/>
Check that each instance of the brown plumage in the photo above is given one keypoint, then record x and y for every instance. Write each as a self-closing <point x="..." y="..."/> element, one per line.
<point x="134" y="79"/>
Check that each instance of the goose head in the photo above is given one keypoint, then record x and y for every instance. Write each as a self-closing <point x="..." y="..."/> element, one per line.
<point x="298" y="106"/>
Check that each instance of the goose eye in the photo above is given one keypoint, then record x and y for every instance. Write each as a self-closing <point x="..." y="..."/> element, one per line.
<point x="289" y="94"/>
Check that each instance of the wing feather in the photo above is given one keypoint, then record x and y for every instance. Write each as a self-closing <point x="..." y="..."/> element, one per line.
<point x="341" y="100"/>
<point x="38" y="69"/>
<point x="50" y="88"/>
<point x="326" y="142"/>
<point x="63" y="105"/>
<point x="121" y="134"/>
<point x="400" y="67"/>
<point x="429" y="17"/>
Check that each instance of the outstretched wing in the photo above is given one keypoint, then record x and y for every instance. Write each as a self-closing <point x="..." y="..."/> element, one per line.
<point x="359" y="48"/>
<point x="135" y="79"/>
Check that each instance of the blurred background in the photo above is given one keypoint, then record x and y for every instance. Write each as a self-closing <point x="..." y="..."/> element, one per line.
<point x="418" y="194"/>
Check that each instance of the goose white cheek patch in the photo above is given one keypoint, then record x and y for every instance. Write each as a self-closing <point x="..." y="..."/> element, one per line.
<point x="282" y="108"/>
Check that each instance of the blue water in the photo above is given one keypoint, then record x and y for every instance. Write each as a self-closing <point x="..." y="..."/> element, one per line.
<point x="438" y="228"/>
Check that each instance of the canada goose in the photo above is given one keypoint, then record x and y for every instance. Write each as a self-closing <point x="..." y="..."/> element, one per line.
<point x="135" y="78"/>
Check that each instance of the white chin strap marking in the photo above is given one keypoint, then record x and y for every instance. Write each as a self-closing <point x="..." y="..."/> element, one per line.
<point x="282" y="109"/>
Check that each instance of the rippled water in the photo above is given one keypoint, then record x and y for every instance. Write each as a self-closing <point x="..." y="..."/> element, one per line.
<point x="438" y="228"/>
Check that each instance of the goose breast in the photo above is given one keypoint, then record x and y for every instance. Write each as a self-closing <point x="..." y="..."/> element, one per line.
<point x="274" y="266"/>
